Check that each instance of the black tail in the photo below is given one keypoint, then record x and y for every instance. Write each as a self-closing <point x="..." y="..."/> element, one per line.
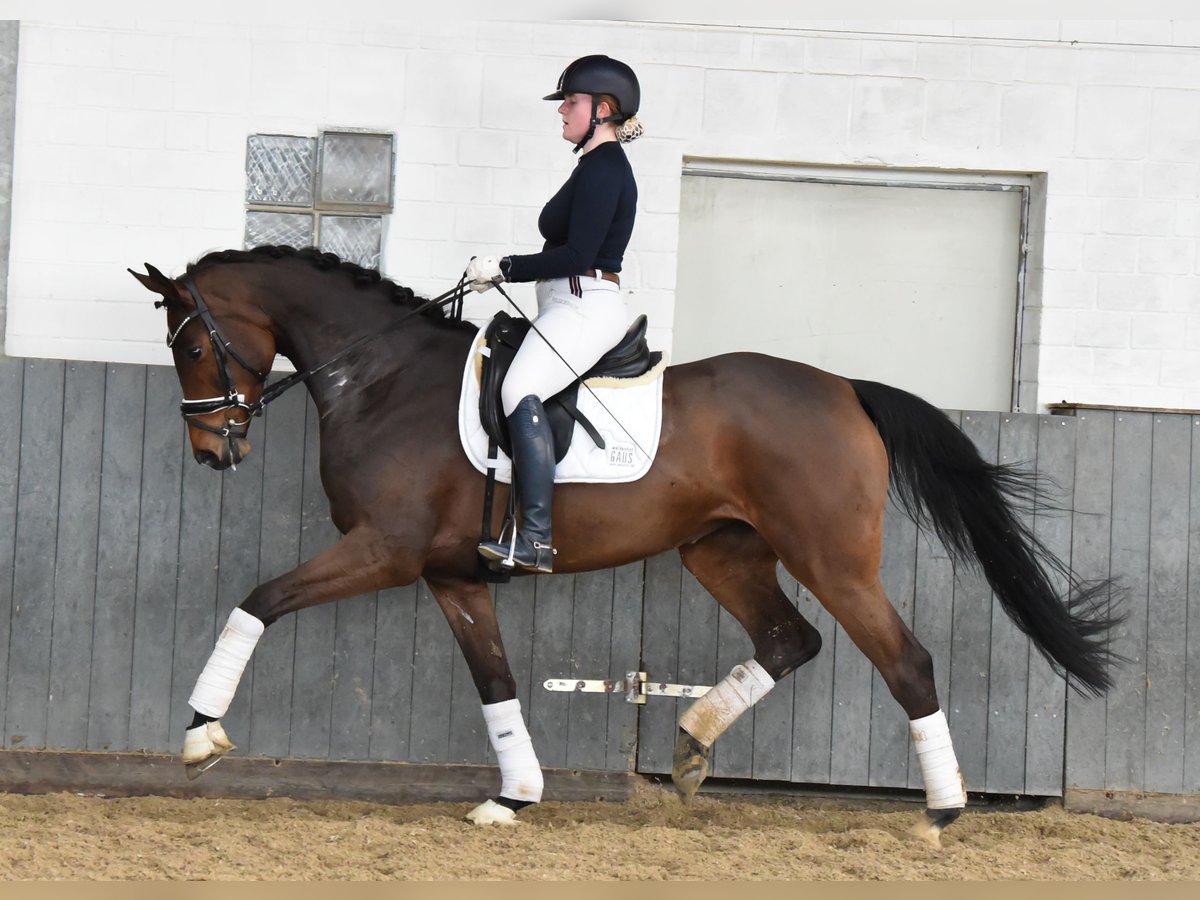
<point x="941" y="481"/>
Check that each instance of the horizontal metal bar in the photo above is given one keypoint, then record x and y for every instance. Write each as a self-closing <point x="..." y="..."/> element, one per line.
<point x="661" y="689"/>
<point x="586" y="686"/>
<point x="635" y="686"/>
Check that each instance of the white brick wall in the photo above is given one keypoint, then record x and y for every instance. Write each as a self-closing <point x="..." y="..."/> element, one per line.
<point x="131" y="142"/>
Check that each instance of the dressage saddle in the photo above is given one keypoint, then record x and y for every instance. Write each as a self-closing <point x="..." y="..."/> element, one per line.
<point x="504" y="334"/>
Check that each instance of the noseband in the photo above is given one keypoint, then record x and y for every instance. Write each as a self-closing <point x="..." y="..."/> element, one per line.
<point x="223" y="350"/>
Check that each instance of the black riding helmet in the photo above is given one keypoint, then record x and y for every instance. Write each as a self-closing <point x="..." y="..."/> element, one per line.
<point x="597" y="75"/>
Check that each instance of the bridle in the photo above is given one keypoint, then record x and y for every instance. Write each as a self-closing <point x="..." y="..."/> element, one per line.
<point x="223" y="351"/>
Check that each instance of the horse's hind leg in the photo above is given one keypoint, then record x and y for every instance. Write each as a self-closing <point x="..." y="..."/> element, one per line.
<point x="737" y="567"/>
<point x="469" y="609"/>
<point x="868" y="617"/>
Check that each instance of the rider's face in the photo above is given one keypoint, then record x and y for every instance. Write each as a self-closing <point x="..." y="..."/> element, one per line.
<point x="576" y="112"/>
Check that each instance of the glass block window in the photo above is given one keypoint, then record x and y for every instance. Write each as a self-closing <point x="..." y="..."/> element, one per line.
<point x="279" y="169"/>
<point x="330" y="191"/>
<point x="353" y="237"/>
<point x="290" y="229"/>
<point x="355" y="171"/>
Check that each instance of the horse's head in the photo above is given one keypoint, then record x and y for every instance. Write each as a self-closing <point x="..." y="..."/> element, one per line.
<point x="223" y="353"/>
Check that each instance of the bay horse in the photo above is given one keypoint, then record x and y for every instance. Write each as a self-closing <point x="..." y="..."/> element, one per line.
<point x="761" y="460"/>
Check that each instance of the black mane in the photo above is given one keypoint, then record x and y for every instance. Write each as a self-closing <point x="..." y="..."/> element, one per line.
<point x="325" y="262"/>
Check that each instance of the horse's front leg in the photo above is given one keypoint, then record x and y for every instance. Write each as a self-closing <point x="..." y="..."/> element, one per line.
<point x="356" y="564"/>
<point x="469" y="609"/>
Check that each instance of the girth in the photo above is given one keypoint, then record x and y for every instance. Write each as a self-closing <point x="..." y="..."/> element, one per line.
<point x="503" y="336"/>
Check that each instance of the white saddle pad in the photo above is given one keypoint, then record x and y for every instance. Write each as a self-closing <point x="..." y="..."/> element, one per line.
<point x="630" y="421"/>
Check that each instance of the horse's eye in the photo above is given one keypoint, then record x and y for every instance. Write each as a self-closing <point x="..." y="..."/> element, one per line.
<point x="195" y="352"/>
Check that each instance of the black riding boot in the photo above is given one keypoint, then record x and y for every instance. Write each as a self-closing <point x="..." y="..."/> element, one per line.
<point x="533" y="468"/>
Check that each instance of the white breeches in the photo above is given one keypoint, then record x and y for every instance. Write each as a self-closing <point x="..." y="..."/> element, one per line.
<point x="707" y="718"/>
<point x="520" y="772"/>
<point x="581" y="328"/>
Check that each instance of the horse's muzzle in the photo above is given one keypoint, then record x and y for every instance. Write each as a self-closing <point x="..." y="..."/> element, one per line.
<point x="231" y="454"/>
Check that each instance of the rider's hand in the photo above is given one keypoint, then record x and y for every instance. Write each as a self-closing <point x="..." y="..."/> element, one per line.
<point x="484" y="272"/>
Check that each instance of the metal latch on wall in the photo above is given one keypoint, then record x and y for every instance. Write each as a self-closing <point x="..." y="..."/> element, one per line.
<point x="636" y="687"/>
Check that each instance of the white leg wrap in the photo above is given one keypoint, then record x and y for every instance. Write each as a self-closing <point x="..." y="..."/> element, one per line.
<point x="216" y="685"/>
<point x="944" y="788"/>
<point x="520" y="772"/>
<point x="707" y="718"/>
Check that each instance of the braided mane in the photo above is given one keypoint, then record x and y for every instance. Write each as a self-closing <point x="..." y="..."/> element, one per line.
<point x="326" y="262"/>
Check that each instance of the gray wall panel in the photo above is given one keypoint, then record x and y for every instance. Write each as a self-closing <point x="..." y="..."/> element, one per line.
<point x="12" y="378"/>
<point x="1125" y="760"/>
<point x="1191" y="738"/>
<point x="1167" y="627"/>
<point x="591" y="656"/>
<point x="33" y="557"/>
<point x="812" y="706"/>
<point x="78" y="528"/>
<point x="116" y="559"/>
<point x="551" y="659"/>
<point x="433" y="662"/>
<point x="354" y="660"/>
<point x="1009" y="667"/>
<point x="312" y="687"/>
<point x="150" y="721"/>
<point x="391" y="690"/>
<point x="516" y="608"/>
<point x="661" y="658"/>
<point x="1090" y="536"/>
<point x="850" y="739"/>
<point x="281" y="441"/>
<point x="622" y="738"/>
<point x="1046" y="714"/>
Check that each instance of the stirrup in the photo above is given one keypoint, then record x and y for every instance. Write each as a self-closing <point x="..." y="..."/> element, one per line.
<point x="534" y="556"/>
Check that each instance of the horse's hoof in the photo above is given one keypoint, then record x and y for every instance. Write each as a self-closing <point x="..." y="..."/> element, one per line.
<point x="491" y="813"/>
<point x="931" y="824"/>
<point x="196" y="769"/>
<point x="203" y="747"/>
<point x="689" y="765"/>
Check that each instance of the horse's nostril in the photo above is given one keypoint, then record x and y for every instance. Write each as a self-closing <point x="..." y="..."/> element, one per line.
<point x="208" y="458"/>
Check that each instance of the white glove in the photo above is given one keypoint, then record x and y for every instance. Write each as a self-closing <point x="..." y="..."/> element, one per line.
<point x="484" y="273"/>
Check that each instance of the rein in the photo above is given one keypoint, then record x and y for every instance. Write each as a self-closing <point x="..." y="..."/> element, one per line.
<point x="454" y="295"/>
<point x="223" y="350"/>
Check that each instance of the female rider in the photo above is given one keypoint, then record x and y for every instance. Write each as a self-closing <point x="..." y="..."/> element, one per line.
<point x="586" y="226"/>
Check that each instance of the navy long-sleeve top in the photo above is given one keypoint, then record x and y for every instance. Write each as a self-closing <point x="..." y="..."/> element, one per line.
<point x="587" y="224"/>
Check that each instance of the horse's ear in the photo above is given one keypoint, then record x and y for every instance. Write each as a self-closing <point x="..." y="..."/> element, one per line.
<point x="156" y="281"/>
